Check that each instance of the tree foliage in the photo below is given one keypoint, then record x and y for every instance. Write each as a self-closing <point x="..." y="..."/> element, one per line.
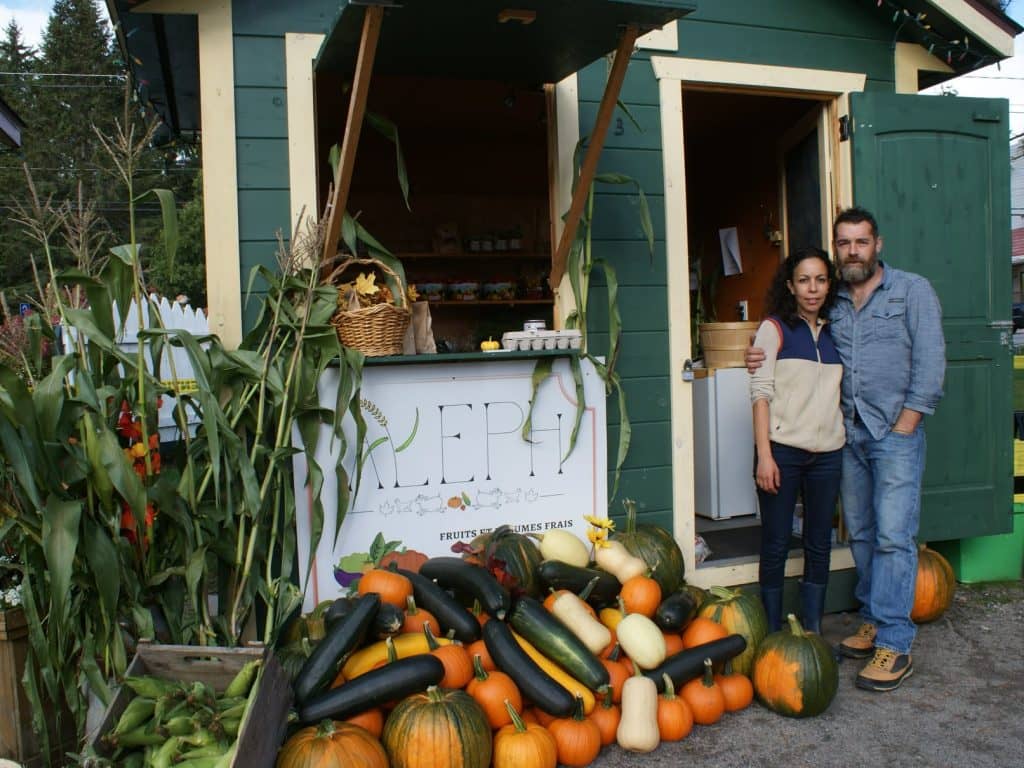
<point x="74" y="86"/>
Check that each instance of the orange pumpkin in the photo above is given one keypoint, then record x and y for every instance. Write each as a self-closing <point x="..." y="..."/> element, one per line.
<point x="524" y="745"/>
<point x="606" y="717"/>
<point x="702" y="630"/>
<point x="705" y="697"/>
<point x="675" y="720"/>
<point x="933" y="591"/>
<point x="416" y="617"/>
<point x="494" y="692"/>
<point x="372" y="720"/>
<point x="438" y="727"/>
<point x="736" y="688"/>
<point x="617" y="675"/>
<point x="641" y="594"/>
<point x="332" y="743"/>
<point x="458" y="667"/>
<point x="392" y="587"/>
<point x="577" y="738"/>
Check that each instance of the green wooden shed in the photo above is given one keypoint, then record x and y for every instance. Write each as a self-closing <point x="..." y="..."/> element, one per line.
<point x="765" y="117"/>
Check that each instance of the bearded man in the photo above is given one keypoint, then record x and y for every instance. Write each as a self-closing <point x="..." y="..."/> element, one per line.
<point x="887" y="328"/>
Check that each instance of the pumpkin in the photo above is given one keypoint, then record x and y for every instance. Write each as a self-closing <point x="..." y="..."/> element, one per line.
<point x="458" y="666"/>
<point x="617" y="672"/>
<point x="641" y="594"/>
<point x="392" y="587"/>
<point x="606" y="717"/>
<point x="705" y="698"/>
<point x="372" y="720"/>
<point x="577" y="738"/>
<point x="739" y="613"/>
<point x="702" y="630"/>
<point x="512" y="557"/>
<point x="673" y="643"/>
<point x="656" y="547"/>
<point x="338" y="745"/>
<point x="416" y="617"/>
<point x="479" y="648"/>
<point x="524" y="745"/>
<point x="736" y="688"/>
<point x="675" y="720"/>
<point x="439" y="727"/>
<point x="493" y="691"/>
<point x="408" y="559"/>
<point x="795" y="673"/>
<point x="933" y="591"/>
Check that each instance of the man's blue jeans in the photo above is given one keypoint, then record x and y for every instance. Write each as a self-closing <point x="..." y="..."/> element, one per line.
<point x="881" y="494"/>
<point x="816" y="476"/>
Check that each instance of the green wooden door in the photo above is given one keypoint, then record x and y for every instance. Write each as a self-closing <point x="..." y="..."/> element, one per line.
<point x="935" y="172"/>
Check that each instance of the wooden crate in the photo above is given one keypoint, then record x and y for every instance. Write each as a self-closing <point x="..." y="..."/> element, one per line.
<point x="264" y="727"/>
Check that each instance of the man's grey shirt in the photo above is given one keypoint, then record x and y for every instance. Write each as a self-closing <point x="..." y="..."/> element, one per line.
<point x="893" y="350"/>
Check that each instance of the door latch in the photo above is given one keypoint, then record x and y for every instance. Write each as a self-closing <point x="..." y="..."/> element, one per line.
<point x="688" y="370"/>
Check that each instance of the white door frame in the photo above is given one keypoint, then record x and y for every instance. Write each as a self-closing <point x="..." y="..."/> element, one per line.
<point x="674" y="74"/>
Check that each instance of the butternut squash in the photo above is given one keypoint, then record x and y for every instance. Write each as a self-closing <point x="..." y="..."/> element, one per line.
<point x="574" y="613"/>
<point x="617" y="560"/>
<point x="641" y="640"/>
<point x="638" y="726"/>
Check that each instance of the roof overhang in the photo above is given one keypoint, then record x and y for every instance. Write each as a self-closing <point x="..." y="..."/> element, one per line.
<point x="11" y="126"/>
<point x="525" y="41"/>
<point x="162" y="51"/>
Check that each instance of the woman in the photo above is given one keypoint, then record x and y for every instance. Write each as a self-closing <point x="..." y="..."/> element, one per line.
<point x="798" y="429"/>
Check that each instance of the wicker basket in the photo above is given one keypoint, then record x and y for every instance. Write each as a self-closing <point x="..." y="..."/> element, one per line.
<point x="375" y="331"/>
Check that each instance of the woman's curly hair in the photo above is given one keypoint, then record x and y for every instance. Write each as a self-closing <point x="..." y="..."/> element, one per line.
<point x="781" y="303"/>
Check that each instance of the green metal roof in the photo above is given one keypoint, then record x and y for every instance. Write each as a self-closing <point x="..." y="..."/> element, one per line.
<point x="465" y="39"/>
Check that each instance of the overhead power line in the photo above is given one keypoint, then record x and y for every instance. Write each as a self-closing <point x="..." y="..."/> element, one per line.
<point x="62" y="74"/>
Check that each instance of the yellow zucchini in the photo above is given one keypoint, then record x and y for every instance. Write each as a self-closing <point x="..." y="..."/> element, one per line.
<point x="406" y="644"/>
<point x="556" y="673"/>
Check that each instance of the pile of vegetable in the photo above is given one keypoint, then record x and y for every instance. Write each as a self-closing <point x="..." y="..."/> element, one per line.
<point x="523" y="654"/>
<point x="182" y="724"/>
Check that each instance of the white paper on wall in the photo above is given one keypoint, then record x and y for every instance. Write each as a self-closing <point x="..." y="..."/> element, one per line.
<point x="732" y="264"/>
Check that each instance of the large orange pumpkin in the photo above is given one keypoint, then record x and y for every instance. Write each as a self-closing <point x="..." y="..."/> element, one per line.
<point x="933" y="592"/>
<point x="795" y="673"/>
<point x="333" y="744"/>
<point x="440" y="727"/>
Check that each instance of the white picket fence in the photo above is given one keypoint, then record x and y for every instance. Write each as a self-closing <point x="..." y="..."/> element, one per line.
<point x="175" y="367"/>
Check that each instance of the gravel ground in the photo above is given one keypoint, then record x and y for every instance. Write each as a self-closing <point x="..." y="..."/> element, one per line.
<point x="963" y="706"/>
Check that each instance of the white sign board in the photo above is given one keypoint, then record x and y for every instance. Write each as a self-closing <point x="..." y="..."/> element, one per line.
<point x="445" y="461"/>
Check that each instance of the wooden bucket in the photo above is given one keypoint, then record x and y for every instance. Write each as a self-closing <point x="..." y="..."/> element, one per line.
<point x="725" y="343"/>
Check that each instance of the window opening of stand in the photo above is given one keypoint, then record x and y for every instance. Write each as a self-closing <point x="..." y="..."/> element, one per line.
<point x="759" y="163"/>
<point x="476" y="243"/>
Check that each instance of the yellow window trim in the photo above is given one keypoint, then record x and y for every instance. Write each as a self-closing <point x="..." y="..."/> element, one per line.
<point x="910" y="60"/>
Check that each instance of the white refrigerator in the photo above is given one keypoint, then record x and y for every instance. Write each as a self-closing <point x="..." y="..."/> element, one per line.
<point x="723" y="436"/>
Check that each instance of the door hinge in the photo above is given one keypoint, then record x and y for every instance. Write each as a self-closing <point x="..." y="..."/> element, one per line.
<point x="844" y="127"/>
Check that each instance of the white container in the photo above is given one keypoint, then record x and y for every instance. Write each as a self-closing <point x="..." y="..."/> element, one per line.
<point x="548" y="337"/>
<point x="537" y="342"/>
<point x="534" y="325"/>
<point x="561" y="341"/>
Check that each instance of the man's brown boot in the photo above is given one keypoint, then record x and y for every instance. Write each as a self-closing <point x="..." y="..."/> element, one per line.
<point x="861" y="644"/>
<point x="885" y="671"/>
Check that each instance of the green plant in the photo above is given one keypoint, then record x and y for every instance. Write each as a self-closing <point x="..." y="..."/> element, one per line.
<point x="124" y="536"/>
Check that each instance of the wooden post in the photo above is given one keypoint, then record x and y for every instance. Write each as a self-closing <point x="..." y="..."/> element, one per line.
<point x="593" y="153"/>
<point x="353" y="126"/>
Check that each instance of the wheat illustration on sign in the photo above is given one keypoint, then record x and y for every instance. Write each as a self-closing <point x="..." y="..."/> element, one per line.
<point x="374" y="412"/>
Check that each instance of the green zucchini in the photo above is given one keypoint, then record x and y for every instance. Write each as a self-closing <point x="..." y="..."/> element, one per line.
<point x="387" y="622"/>
<point x="557" y="642"/>
<point x="341" y="639"/>
<point x="676" y="611"/>
<point x="449" y="614"/>
<point x="558" y="575"/>
<point x="534" y="683"/>
<point x="470" y="579"/>
<point x="686" y="665"/>
<point x="394" y="680"/>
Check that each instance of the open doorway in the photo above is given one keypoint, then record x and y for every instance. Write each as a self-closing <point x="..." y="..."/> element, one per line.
<point x="756" y="163"/>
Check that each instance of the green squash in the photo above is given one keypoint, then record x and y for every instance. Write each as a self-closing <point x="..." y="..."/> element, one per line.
<point x="440" y="728"/>
<point x="795" y="673"/>
<point x="741" y="613"/>
<point x="656" y="547"/>
<point x="513" y="558"/>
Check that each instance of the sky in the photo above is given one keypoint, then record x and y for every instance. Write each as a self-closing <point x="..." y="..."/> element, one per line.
<point x="1005" y="79"/>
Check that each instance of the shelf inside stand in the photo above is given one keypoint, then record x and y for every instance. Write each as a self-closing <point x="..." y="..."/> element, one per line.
<point x="488" y="302"/>
<point x="476" y="255"/>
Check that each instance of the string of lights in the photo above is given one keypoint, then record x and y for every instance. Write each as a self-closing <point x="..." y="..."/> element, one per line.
<point x="957" y="50"/>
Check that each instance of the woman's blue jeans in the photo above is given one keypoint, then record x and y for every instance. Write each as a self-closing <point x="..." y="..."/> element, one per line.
<point x="882" y="507"/>
<point x="815" y="476"/>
